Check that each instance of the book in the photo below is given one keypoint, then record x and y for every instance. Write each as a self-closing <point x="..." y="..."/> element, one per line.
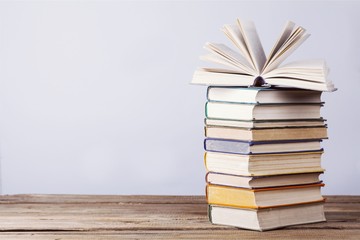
<point x="248" y="147"/>
<point x="263" y="164"/>
<point x="266" y="134"/>
<point x="249" y="66"/>
<point x="263" y="197"/>
<point x="253" y="182"/>
<point x="238" y="111"/>
<point x="267" y="218"/>
<point x="262" y="95"/>
<point x="265" y="123"/>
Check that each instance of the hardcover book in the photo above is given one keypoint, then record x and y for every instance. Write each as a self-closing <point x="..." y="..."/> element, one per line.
<point x="253" y="182"/>
<point x="263" y="197"/>
<point x="262" y="95"/>
<point x="256" y="124"/>
<point x="266" y="134"/>
<point x="248" y="147"/>
<point x="263" y="164"/>
<point x="267" y="218"/>
<point x="238" y="111"/>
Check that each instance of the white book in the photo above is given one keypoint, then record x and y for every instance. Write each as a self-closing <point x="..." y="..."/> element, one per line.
<point x="249" y="65"/>
<point x="267" y="218"/>
<point x="238" y="111"/>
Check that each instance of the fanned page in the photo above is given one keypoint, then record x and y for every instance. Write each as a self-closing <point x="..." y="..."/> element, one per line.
<point x="230" y="56"/>
<point x="236" y="37"/>
<point x="286" y="32"/>
<point x="294" y="41"/>
<point x="252" y="40"/>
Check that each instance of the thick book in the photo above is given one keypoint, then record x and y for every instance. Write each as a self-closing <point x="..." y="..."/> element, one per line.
<point x="267" y="218"/>
<point x="249" y="147"/>
<point x="253" y="182"/>
<point x="239" y="111"/>
<point x="265" y="123"/>
<point x="263" y="164"/>
<point x="266" y="134"/>
<point x="262" y="95"/>
<point x="263" y="197"/>
<point x="250" y="66"/>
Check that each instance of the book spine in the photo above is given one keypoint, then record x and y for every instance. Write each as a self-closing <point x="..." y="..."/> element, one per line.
<point x="207" y="93"/>
<point x="209" y="213"/>
<point x="205" y="157"/>
<point x="206" y="111"/>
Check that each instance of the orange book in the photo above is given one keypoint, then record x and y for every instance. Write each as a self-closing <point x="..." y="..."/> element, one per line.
<point x="263" y="197"/>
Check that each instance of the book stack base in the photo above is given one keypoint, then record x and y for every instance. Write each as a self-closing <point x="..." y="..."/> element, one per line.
<point x="263" y="157"/>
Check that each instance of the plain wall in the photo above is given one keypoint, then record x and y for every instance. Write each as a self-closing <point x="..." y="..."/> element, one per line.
<point x="95" y="96"/>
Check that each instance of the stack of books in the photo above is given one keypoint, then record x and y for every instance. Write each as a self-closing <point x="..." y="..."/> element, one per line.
<point x="263" y="142"/>
<point x="263" y="156"/>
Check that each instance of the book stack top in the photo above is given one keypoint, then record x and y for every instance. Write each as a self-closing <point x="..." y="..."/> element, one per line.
<point x="249" y="66"/>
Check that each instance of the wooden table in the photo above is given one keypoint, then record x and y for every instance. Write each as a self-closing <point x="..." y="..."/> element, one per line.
<point x="151" y="217"/>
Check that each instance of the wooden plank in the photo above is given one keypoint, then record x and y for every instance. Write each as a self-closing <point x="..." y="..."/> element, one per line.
<point x="113" y="216"/>
<point x="192" y="234"/>
<point x="342" y="198"/>
<point x="151" y="217"/>
<point x="73" y="198"/>
<point x="160" y="199"/>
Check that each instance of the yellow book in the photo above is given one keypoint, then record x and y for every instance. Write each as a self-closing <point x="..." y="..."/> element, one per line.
<point x="263" y="197"/>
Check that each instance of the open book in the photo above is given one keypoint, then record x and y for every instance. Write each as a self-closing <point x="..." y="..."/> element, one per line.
<point x="250" y="67"/>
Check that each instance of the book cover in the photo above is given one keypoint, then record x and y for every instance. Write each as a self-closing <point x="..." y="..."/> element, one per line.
<point x="261" y="147"/>
<point x="263" y="197"/>
<point x="268" y="181"/>
<point x="267" y="218"/>
<point x="266" y="134"/>
<point x="258" y="95"/>
<point x="251" y="111"/>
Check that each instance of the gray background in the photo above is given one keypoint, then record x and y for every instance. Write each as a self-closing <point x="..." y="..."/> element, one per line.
<point x="95" y="97"/>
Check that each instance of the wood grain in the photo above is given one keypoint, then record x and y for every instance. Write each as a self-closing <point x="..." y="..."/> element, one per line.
<point x="151" y="217"/>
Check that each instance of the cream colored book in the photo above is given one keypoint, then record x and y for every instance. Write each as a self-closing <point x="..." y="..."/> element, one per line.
<point x="265" y="123"/>
<point x="266" y="134"/>
<point x="238" y="111"/>
<point x="249" y="66"/>
<point x="267" y="218"/>
<point x="263" y="164"/>
<point x="262" y="181"/>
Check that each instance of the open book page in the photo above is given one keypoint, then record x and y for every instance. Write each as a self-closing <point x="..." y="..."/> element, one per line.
<point x="289" y="49"/>
<point x="310" y="70"/>
<point x="226" y="77"/>
<point x="218" y="60"/>
<point x="286" y="32"/>
<point x="235" y="36"/>
<point x="245" y="65"/>
<point x="231" y="67"/>
<point x="221" y="77"/>
<point x="229" y="56"/>
<point x="248" y="30"/>
<point x="296" y="83"/>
